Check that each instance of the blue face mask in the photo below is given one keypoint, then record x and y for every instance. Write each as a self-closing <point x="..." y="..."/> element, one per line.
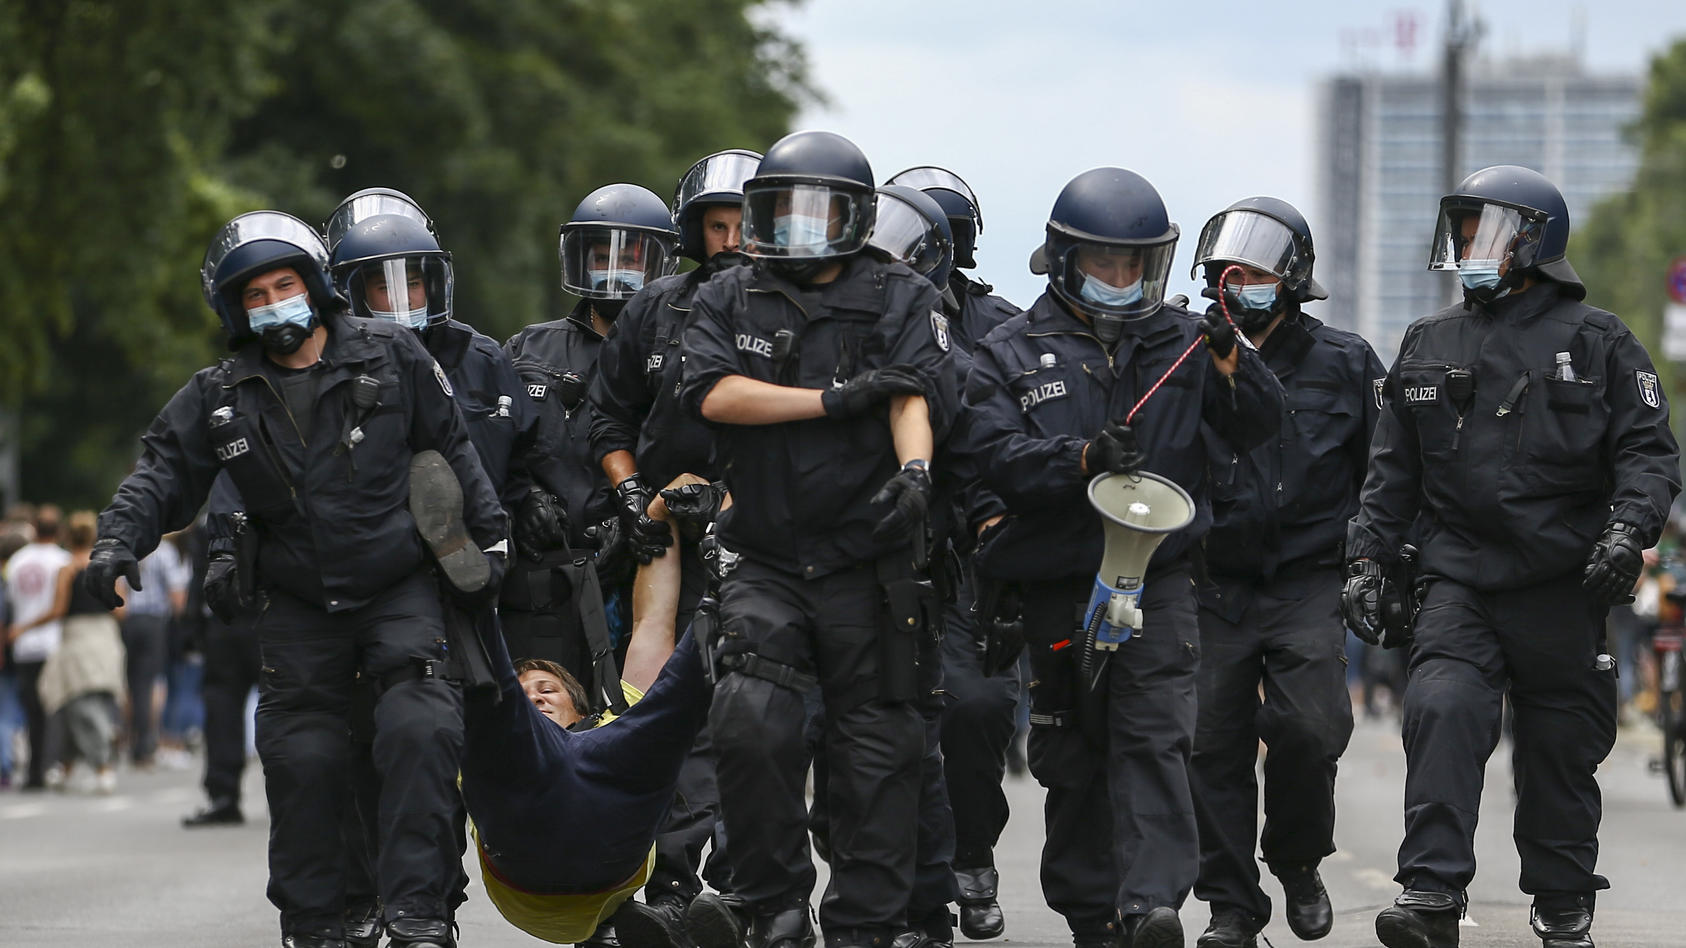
<point x="1105" y="294"/>
<point x="294" y="311"/>
<point x="1259" y="297"/>
<point x="799" y="232"/>
<point x="412" y="319"/>
<point x="630" y="281"/>
<point x="1479" y="274"/>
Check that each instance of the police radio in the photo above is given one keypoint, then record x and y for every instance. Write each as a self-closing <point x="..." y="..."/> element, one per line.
<point x="1138" y="511"/>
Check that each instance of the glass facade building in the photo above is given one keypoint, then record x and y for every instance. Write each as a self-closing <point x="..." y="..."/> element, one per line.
<point x="1380" y="179"/>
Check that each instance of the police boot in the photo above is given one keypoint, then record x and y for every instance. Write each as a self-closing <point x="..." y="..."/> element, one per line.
<point x="1230" y="929"/>
<point x="935" y="930"/>
<point x="436" y="506"/>
<point x="420" y="933"/>
<point x="363" y="925"/>
<point x="980" y="913"/>
<point x="1308" y="912"/>
<point x="1418" y="919"/>
<point x="658" y="923"/>
<point x="1563" y="926"/>
<point x="603" y="937"/>
<point x="790" y="927"/>
<point x="860" y="938"/>
<point x="1104" y="938"/>
<point x="1160" y="928"/>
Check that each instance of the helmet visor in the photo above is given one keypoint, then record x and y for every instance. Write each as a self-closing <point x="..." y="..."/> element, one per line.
<point x="360" y="207"/>
<point x="612" y="263"/>
<point x="907" y="236"/>
<point x="254" y="226"/>
<point x="805" y="221"/>
<point x="926" y="177"/>
<point x="1476" y="232"/>
<point x="410" y="291"/>
<point x="1115" y="279"/>
<point x="1247" y="237"/>
<point x="717" y="178"/>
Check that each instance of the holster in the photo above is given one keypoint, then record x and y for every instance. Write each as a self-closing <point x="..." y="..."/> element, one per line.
<point x="1401" y="597"/>
<point x="905" y="618"/>
<point x="245" y="559"/>
<point x="468" y="660"/>
<point x="562" y="583"/>
<point x="998" y="613"/>
<point x="705" y="629"/>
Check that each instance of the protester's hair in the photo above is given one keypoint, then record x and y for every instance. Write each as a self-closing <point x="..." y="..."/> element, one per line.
<point x="82" y="529"/>
<point x="570" y="684"/>
<point x="47" y="524"/>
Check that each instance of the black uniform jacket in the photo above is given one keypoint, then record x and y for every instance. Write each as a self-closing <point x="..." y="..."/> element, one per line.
<point x="802" y="491"/>
<point x="1516" y="483"/>
<point x="1042" y="385"/>
<point x="562" y="462"/>
<point x="502" y="421"/>
<point x="1282" y="508"/>
<point x="636" y="391"/>
<point x="973" y="310"/>
<point x="338" y="530"/>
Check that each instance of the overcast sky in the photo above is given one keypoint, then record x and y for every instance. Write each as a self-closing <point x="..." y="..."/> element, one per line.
<point x="1210" y="101"/>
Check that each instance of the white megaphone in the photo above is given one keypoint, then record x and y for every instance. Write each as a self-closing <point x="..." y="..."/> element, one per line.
<point x="1137" y="512"/>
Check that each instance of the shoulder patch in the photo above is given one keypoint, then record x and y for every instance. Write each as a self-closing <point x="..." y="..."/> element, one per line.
<point x="1650" y="392"/>
<point x="1379" y="386"/>
<point x="939" y="329"/>
<point x="444" y="383"/>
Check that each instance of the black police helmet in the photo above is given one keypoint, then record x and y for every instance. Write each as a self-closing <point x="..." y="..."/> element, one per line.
<point x="715" y="181"/>
<point x="392" y="238"/>
<point x="1543" y="245"/>
<point x="1230" y="237"/>
<point x="1108" y="209"/>
<point x="965" y="215"/>
<point x="256" y="243"/>
<point x="620" y="238"/>
<point x="913" y="228"/>
<point x="367" y="203"/>
<point x="821" y="178"/>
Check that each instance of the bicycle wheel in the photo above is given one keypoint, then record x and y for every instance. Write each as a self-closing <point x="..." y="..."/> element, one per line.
<point x="1671" y="716"/>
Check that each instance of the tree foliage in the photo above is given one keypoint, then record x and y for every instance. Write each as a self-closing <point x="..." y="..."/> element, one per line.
<point x="129" y="132"/>
<point x="1624" y="250"/>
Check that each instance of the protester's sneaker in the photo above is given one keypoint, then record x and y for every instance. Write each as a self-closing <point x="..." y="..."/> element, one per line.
<point x="1307" y="909"/>
<point x="1563" y="927"/>
<point x="436" y="505"/>
<point x="1419" y="919"/>
<point x="1159" y="928"/>
<point x="980" y="912"/>
<point x="1230" y="929"/>
<point x="659" y="923"/>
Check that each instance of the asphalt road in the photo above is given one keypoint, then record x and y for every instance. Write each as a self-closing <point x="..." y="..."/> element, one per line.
<point x="78" y="870"/>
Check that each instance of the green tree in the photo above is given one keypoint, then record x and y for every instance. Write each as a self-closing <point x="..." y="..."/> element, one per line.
<point x="129" y="132"/>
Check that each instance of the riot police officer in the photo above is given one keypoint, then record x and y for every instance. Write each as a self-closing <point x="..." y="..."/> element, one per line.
<point x="979" y="715"/>
<point x="1524" y="442"/>
<point x="821" y="368"/>
<point x="385" y="258"/>
<point x="619" y="238"/>
<point x="971" y="305"/>
<point x="1270" y="613"/>
<point x="341" y="437"/>
<point x="643" y="440"/>
<point x="1050" y="397"/>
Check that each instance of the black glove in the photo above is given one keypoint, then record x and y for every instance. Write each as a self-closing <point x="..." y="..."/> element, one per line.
<point x="222" y="587"/>
<point x="1219" y="332"/>
<point x="648" y="538"/>
<point x="718" y="560"/>
<point x="109" y="560"/>
<point x="910" y="492"/>
<point x="1614" y="566"/>
<point x="695" y="506"/>
<point x="614" y="559"/>
<point x="1114" y="451"/>
<point x="862" y="393"/>
<point x="541" y="523"/>
<point x="1361" y="600"/>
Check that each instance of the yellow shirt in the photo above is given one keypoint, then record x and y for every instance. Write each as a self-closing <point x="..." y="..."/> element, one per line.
<point x="563" y="919"/>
